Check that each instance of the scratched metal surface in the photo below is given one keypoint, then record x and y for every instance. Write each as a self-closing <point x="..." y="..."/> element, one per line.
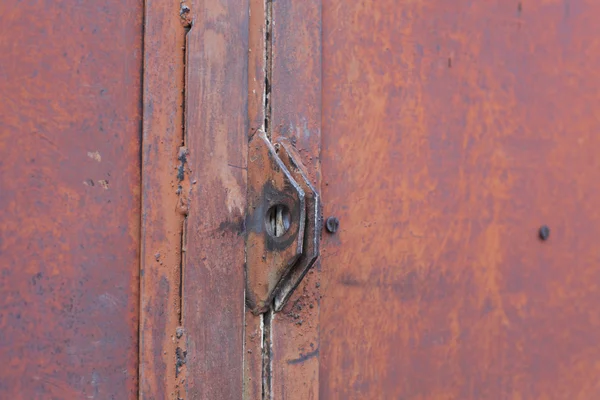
<point x="451" y="132"/>
<point x="70" y="115"/>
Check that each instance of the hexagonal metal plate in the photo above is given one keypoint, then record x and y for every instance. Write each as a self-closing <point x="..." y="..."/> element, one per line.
<point x="273" y="242"/>
<point x="291" y="160"/>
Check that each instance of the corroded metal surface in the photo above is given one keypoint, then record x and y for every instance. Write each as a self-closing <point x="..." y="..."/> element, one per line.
<point x="217" y="140"/>
<point x="165" y="189"/>
<point x="270" y="252"/>
<point x="70" y="128"/>
<point x="296" y="115"/>
<point x="256" y="66"/>
<point x="452" y="131"/>
<point x="312" y="229"/>
<point x="253" y="357"/>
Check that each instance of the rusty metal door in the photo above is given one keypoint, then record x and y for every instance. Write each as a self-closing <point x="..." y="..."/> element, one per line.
<point x="456" y="137"/>
<point x="459" y="146"/>
<point x="454" y="146"/>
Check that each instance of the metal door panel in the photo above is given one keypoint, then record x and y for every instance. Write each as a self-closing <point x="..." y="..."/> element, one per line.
<point x="451" y="132"/>
<point x="70" y="130"/>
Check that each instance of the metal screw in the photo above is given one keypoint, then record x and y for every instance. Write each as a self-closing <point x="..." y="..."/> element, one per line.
<point x="332" y="224"/>
<point x="544" y="232"/>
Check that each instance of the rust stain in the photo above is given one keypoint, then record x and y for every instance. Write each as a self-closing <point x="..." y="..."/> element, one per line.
<point x="257" y="68"/>
<point x="295" y="101"/>
<point x="253" y="324"/>
<point x="451" y="133"/>
<point x="253" y="357"/>
<point x="71" y="80"/>
<point x="166" y="189"/>
<point x="312" y="229"/>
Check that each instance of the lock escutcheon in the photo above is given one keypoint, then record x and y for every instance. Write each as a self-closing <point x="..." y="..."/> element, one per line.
<point x="282" y="223"/>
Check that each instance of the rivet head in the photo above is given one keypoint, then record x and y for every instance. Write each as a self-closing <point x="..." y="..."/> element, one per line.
<point x="332" y="224"/>
<point x="544" y="232"/>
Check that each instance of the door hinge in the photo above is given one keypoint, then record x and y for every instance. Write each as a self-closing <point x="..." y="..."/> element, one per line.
<point x="283" y="223"/>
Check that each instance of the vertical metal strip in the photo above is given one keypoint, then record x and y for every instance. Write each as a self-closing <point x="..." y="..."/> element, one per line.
<point x="295" y="101"/>
<point x="217" y="126"/>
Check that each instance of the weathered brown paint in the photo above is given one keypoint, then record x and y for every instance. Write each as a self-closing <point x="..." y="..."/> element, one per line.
<point x="70" y="129"/>
<point x="451" y="132"/>
<point x="296" y="114"/>
<point x="164" y="201"/>
<point x="217" y="139"/>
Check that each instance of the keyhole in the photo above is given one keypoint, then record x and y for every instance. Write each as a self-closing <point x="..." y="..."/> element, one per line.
<point x="278" y="220"/>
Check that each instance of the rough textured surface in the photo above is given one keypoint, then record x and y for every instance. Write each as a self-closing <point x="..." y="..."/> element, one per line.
<point x="256" y="118"/>
<point x="253" y="360"/>
<point x="296" y="115"/>
<point x="217" y="139"/>
<point x="269" y="257"/>
<point x="256" y="65"/>
<point x="70" y="128"/>
<point x="165" y="183"/>
<point x="312" y="229"/>
<point x="452" y="132"/>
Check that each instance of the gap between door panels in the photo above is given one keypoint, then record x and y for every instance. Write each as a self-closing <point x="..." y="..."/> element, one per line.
<point x="285" y="101"/>
<point x="166" y="189"/>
